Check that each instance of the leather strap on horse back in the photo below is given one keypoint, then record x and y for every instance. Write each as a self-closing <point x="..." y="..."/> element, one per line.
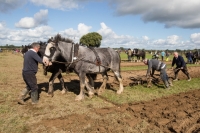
<point x="98" y="60"/>
<point x="76" y="48"/>
<point x="74" y="55"/>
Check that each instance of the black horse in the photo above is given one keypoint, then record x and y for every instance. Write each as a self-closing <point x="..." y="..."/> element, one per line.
<point x="196" y="57"/>
<point x="25" y="48"/>
<point x="84" y="60"/>
<point x="56" y="70"/>
<point x="138" y="54"/>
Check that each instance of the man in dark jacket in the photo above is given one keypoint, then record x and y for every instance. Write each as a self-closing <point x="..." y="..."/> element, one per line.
<point x="30" y="68"/>
<point x="180" y="65"/>
<point x="157" y="65"/>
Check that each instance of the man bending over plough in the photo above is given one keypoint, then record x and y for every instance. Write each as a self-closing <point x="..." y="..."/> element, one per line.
<point x="158" y="66"/>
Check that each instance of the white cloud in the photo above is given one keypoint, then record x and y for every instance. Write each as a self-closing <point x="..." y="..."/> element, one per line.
<point x="39" y="18"/>
<point x="75" y="35"/>
<point x="195" y="38"/>
<point x="180" y="13"/>
<point x="9" y="5"/>
<point x="26" y="22"/>
<point x="146" y="38"/>
<point x="25" y="36"/>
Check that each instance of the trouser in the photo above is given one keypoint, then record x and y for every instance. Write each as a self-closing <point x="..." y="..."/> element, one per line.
<point x="190" y="60"/>
<point x="164" y="76"/>
<point x="129" y="57"/>
<point x="30" y="80"/>
<point x="162" y="58"/>
<point x="184" y="70"/>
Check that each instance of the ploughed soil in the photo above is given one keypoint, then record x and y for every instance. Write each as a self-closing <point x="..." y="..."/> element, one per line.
<point x="176" y="113"/>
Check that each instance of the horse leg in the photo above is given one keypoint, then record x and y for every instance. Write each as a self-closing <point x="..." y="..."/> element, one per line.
<point x="51" y="82"/>
<point x="103" y="85"/>
<point x="64" y="89"/>
<point x="82" y="87"/>
<point x="90" y="86"/>
<point x="121" y="87"/>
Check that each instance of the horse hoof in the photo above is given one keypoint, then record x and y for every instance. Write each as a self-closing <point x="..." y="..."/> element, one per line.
<point x="99" y="92"/>
<point x="90" y="94"/>
<point x="63" y="92"/>
<point x="79" y="98"/>
<point x="119" y="92"/>
<point x="50" y="94"/>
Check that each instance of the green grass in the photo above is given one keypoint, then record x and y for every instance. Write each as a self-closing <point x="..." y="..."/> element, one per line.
<point x="142" y="93"/>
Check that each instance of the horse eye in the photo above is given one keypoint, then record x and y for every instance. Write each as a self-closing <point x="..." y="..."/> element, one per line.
<point x="52" y="48"/>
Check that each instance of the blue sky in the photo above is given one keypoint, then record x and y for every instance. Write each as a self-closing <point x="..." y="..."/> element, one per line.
<point x="148" y="24"/>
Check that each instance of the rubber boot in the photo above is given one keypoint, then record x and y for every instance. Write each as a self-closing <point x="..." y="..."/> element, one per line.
<point x="34" y="97"/>
<point x="22" y="96"/>
<point x="189" y="78"/>
<point x="176" y="77"/>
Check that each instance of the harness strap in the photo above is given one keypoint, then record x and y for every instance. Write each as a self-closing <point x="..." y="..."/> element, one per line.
<point x="98" y="60"/>
<point x="74" y="56"/>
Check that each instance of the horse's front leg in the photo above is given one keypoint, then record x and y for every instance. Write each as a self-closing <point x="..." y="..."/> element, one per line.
<point x="64" y="89"/>
<point x="90" y="86"/>
<point x="51" y="82"/>
<point x="82" y="87"/>
<point x="103" y="86"/>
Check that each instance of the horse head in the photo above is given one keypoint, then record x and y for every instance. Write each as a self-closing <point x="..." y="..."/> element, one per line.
<point x="52" y="51"/>
<point x="49" y="54"/>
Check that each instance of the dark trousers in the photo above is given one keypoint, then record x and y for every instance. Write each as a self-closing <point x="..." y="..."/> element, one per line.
<point x="129" y="57"/>
<point x="163" y="74"/>
<point x="30" y="80"/>
<point x="162" y="58"/>
<point x="184" y="70"/>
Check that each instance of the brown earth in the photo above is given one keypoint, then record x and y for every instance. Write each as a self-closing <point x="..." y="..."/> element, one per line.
<point x="178" y="113"/>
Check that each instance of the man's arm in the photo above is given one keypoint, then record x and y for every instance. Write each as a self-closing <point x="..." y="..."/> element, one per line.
<point x="149" y="68"/>
<point x="173" y="62"/>
<point x="182" y="62"/>
<point x="37" y="58"/>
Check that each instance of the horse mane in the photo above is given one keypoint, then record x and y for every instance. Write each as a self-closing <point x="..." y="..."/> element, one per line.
<point x="58" y="38"/>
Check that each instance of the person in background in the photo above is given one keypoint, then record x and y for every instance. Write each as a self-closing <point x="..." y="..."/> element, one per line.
<point x="167" y="56"/>
<point x="189" y="57"/>
<point x="157" y="65"/>
<point x="162" y="55"/>
<point x="180" y="65"/>
<point x="30" y="68"/>
<point x="129" y="53"/>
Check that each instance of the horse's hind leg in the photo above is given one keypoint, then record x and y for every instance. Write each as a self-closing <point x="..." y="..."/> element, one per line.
<point x="103" y="86"/>
<point x="121" y="87"/>
<point x="64" y="89"/>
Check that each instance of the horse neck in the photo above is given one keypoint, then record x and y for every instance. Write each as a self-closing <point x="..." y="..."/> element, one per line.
<point x="66" y="50"/>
